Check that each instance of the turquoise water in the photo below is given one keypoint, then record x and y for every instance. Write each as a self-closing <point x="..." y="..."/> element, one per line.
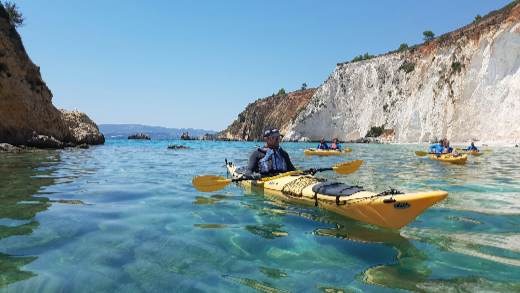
<point x="124" y="217"/>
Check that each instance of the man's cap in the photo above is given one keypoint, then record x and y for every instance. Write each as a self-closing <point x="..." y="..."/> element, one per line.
<point x="271" y="132"/>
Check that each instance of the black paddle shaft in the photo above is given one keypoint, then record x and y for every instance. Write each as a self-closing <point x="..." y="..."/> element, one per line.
<point x="313" y="171"/>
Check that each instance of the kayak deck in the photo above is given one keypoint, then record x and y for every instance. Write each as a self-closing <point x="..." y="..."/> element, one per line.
<point x="387" y="209"/>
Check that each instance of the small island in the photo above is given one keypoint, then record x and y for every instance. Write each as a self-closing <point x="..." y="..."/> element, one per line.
<point x="141" y="135"/>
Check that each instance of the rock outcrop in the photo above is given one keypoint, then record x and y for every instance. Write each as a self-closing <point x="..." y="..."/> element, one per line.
<point x="178" y="147"/>
<point x="143" y="136"/>
<point x="26" y="101"/>
<point x="8" y="148"/>
<point x="44" y="142"/>
<point x="464" y="85"/>
<point x="275" y="111"/>
<point x="82" y="129"/>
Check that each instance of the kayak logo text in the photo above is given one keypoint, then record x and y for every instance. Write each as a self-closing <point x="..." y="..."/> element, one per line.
<point x="401" y="205"/>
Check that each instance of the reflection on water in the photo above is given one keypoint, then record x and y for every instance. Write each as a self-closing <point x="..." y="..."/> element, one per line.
<point x="10" y="268"/>
<point x="21" y="177"/>
<point x="124" y="218"/>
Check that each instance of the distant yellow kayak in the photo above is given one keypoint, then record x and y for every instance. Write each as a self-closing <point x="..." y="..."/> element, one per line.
<point x="319" y="152"/>
<point x="473" y="153"/>
<point x="450" y="158"/>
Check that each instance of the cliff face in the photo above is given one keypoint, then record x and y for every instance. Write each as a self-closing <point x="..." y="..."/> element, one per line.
<point x="25" y="100"/>
<point x="276" y="111"/>
<point x="464" y="85"/>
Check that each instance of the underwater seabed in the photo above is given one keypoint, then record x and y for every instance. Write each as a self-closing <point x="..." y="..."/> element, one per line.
<point x="412" y="269"/>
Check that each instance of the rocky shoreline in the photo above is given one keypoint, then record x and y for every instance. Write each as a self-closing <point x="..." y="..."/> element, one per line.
<point x="28" y="119"/>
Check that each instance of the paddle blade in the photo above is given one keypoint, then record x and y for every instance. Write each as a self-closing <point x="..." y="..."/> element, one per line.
<point x="348" y="167"/>
<point x="421" y="153"/>
<point x="209" y="183"/>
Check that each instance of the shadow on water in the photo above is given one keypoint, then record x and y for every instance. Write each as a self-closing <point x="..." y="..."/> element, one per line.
<point x="21" y="177"/>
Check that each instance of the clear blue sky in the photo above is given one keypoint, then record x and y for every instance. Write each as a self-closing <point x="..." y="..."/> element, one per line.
<point x="199" y="63"/>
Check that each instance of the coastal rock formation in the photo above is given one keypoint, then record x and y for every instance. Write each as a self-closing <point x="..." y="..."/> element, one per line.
<point x="464" y="85"/>
<point x="26" y="101"/>
<point x="82" y="129"/>
<point x="44" y="142"/>
<point x="139" y="136"/>
<point x="8" y="148"/>
<point x="275" y="111"/>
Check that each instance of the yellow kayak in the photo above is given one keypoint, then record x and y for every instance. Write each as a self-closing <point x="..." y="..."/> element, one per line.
<point x="319" y="152"/>
<point x="449" y="158"/>
<point x="473" y="153"/>
<point x="389" y="209"/>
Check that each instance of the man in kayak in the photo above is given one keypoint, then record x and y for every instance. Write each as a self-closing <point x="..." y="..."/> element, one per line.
<point x="323" y="145"/>
<point x="271" y="159"/>
<point x="335" y="145"/>
<point x="472" y="148"/>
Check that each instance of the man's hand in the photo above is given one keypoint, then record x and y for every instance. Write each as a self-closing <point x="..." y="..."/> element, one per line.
<point x="312" y="171"/>
<point x="253" y="176"/>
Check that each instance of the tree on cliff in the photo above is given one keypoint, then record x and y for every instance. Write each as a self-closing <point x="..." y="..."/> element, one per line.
<point x="15" y="16"/>
<point x="304" y="86"/>
<point x="428" y="36"/>
<point x="281" y="92"/>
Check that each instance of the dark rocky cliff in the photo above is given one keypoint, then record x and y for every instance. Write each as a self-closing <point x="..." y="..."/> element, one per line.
<point x="275" y="111"/>
<point x="26" y="102"/>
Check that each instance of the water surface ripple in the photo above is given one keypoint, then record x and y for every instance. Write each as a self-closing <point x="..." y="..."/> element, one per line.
<point x="124" y="217"/>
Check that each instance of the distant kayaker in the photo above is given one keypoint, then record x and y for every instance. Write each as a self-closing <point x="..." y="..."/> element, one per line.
<point x="323" y="145"/>
<point x="335" y="145"/>
<point x="270" y="159"/>
<point x="446" y="149"/>
<point x="436" y="148"/>
<point x="472" y="148"/>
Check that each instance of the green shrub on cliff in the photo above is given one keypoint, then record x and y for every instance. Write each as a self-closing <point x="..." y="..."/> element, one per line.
<point x="281" y="92"/>
<point x="15" y="16"/>
<point x="403" y="47"/>
<point x="407" y="66"/>
<point x="456" y="66"/>
<point x="375" y="131"/>
<point x="428" y="36"/>
<point x="366" y="56"/>
<point x="477" y="19"/>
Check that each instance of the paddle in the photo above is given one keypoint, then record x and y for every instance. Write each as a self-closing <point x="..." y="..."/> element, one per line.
<point x="210" y="183"/>
<point x="421" y="153"/>
<point x="481" y="151"/>
<point x="341" y="168"/>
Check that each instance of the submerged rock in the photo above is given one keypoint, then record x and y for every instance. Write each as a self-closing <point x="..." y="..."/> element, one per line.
<point x="178" y="147"/>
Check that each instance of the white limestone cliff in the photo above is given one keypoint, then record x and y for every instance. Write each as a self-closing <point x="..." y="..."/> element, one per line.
<point x="464" y="85"/>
